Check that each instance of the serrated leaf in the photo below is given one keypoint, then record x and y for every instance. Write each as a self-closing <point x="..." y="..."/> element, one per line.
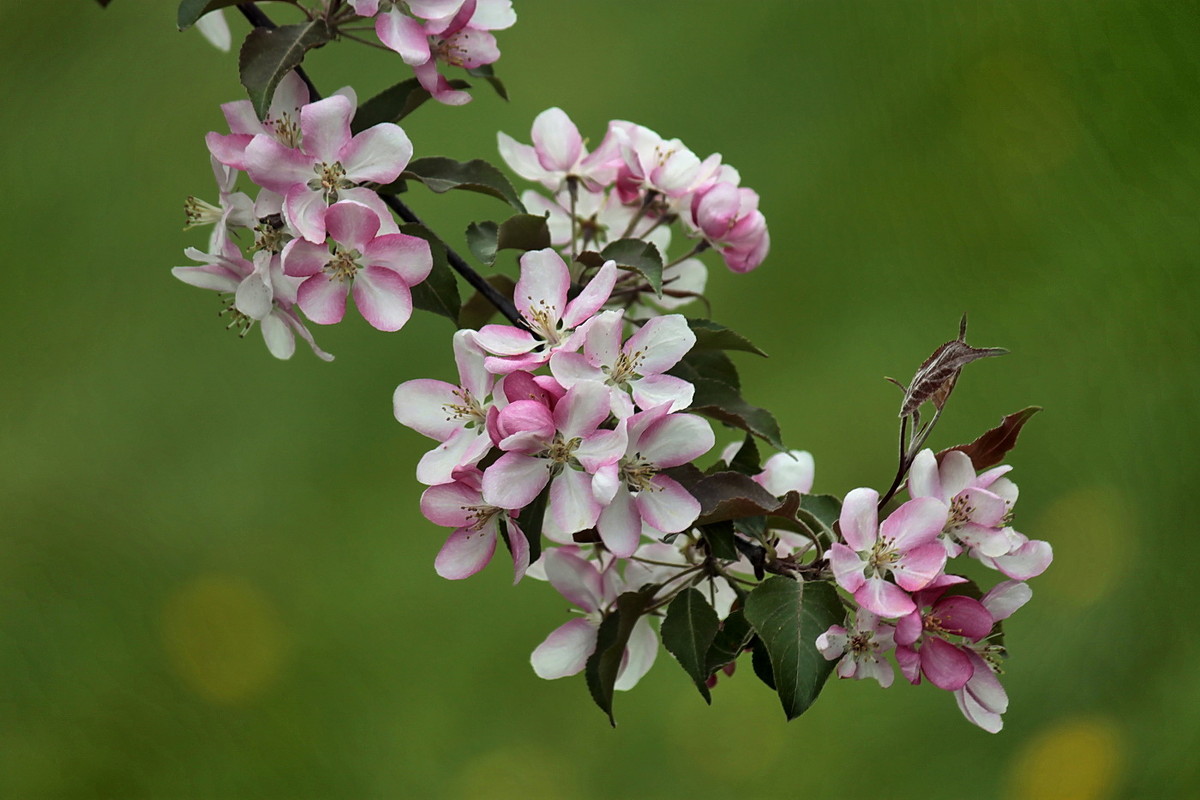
<point x="442" y="174"/>
<point x="714" y="336"/>
<point x="747" y="460"/>
<point x="481" y="240"/>
<point x="688" y="632"/>
<point x="712" y="364"/>
<point x="270" y="53"/>
<point x="788" y="616"/>
<point x="732" y="637"/>
<point x="394" y="104"/>
<point x="991" y="448"/>
<point x="486" y="72"/>
<point x="523" y="232"/>
<point x="530" y="521"/>
<point x="722" y="402"/>
<point x="640" y="256"/>
<point x="439" y="292"/>
<point x="605" y="661"/>
<point x="478" y="310"/>
<point x="731" y="495"/>
<point x="936" y="377"/>
<point x="819" y="512"/>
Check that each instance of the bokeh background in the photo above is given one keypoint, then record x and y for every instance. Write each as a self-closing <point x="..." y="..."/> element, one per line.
<point x="214" y="582"/>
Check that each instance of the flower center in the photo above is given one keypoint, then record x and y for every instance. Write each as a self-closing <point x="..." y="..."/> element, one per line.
<point x="286" y="129"/>
<point x="637" y="473"/>
<point x="198" y="212"/>
<point x="545" y="323"/>
<point x="960" y="513"/>
<point x="468" y="409"/>
<point x="862" y="644"/>
<point x="882" y="556"/>
<point x="481" y="515"/>
<point x="624" y="370"/>
<point x="269" y="234"/>
<point x="343" y="265"/>
<point x="237" y="320"/>
<point x="561" y="450"/>
<point x="331" y="178"/>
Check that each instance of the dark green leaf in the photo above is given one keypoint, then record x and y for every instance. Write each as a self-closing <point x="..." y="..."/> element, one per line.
<point x="712" y="364"/>
<point x="192" y="10"/>
<point x="761" y="662"/>
<point x="722" y="402"/>
<point x="523" y="232"/>
<point x="688" y="633"/>
<point x="530" y="519"/>
<point x="605" y="661"/>
<point x="720" y="539"/>
<point x="819" y="512"/>
<point x="991" y="448"/>
<point x="729" y="642"/>
<point x="485" y="71"/>
<point x="747" y="461"/>
<point x="443" y="174"/>
<point x="270" y="53"/>
<point x="439" y="292"/>
<point x="712" y="336"/>
<point x="789" y="616"/>
<point x="394" y="104"/>
<point x="639" y="256"/>
<point x="478" y="310"/>
<point x="481" y="240"/>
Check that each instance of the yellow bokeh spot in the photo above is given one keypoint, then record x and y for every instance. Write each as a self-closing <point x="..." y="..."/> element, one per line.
<point x="223" y="637"/>
<point x="1088" y="529"/>
<point x="516" y="773"/>
<point x="1078" y="759"/>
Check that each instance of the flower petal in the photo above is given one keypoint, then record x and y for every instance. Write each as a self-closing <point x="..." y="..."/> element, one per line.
<point x="466" y="552"/>
<point x="860" y="518"/>
<point x="565" y="651"/>
<point x="515" y="480"/>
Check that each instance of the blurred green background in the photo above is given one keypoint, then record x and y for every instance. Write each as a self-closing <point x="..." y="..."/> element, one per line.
<point x="214" y="582"/>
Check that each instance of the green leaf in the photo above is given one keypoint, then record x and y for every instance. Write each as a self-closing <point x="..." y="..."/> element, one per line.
<point x="761" y="662"/>
<point x="478" y="310"/>
<point x="523" y="232"/>
<point x="530" y="519"/>
<point x="713" y="364"/>
<point x="639" y="256"/>
<point x="722" y="402"/>
<point x="482" y="240"/>
<point x="688" y="633"/>
<point x="788" y="616"/>
<point x="394" y="104"/>
<point x="713" y="336"/>
<point x="192" y="10"/>
<point x="747" y="460"/>
<point x="605" y="661"/>
<point x="485" y="71"/>
<point x="270" y="53"/>
<point x="991" y="448"/>
<point x="819" y="512"/>
<point x="720" y="539"/>
<point x="442" y="174"/>
<point x="439" y="292"/>
<point x="730" y="641"/>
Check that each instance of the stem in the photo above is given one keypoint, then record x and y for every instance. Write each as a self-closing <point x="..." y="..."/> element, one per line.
<point x="505" y="306"/>
<point x="651" y="196"/>
<point x="573" y="190"/>
<point x="700" y="247"/>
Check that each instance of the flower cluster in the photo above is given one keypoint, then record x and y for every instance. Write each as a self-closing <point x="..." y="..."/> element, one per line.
<point x="428" y="32"/>
<point x="315" y="231"/>
<point x="633" y="185"/>
<point x="906" y="601"/>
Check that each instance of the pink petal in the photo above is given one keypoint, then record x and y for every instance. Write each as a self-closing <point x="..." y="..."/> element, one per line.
<point x="946" y="666"/>
<point x="302" y="258"/>
<point x="581" y="411"/>
<point x="571" y="368"/>
<point x="788" y="472"/>
<point x="987" y="509"/>
<point x="229" y="150"/>
<point x="541" y="291"/>
<point x="436" y="84"/>
<point x="883" y="598"/>
<point x="515" y="480"/>
<point x="351" y="225"/>
<point x="403" y="34"/>
<point x="915" y="523"/>
<point x="325" y="125"/>
<point x="657" y="390"/>
<point x="449" y="504"/>
<point x="574" y="578"/>
<point x="676" y="439"/>
<point x="380" y="154"/>
<point x="464" y="447"/>
<point x="565" y="651"/>
<point x="407" y="256"/>
<point x="241" y="118"/>
<point x="466" y="552"/>
<point x="602" y="345"/>
<point x="910" y="664"/>
<point x="471" y="48"/>
<point x="571" y="502"/>
<point x="427" y="406"/>
<point x="521" y="158"/>
<point x="963" y="616"/>
<point x="556" y="140"/>
<point x="323" y="300"/>
<point x="1028" y="561"/>
<point x="859" y="518"/>
<point x="908" y="628"/>
<point x="667" y="505"/>
<point x="519" y="545"/>
<point x="382" y="298"/>
<point x="1003" y="600"/>
<point x="847" y="567"/>
<point x="923" y="477"/>
<point x="917" y="567"/>
<point x="957" y="472"/>
<point x="593" y="296"/>
<point x="278" y="336"/>
<point x="601" y="448"/>
<point x="640" y="654"/>
<point x="468" y="357"/>
<point x="504" y="340"/>
<point x="273" y="166"/>
<point x="620" y="524"/>
<point x="305" y="210"/>
<point x="209" y="276"/>
<point x="661" y="343"/>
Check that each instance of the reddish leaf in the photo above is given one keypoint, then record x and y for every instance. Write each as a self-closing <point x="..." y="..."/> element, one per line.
<point x="990" y="448"/>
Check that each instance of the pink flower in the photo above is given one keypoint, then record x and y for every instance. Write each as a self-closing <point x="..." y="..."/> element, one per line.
<point x="651" y="163"/>
<point x="460" y="505"/>
<point x="728" y="217"/>
<point x="976" y="515"/>
<point x="905" y="545"/>
<point x="593" y="588"/>
<point x="281" y="123"/>
<point x="562" y="446"/>
<point x="541" y="299"/>
<point x="636" y="367"/>
<point x="924" y="646"/>
<point x="261" y="293"/>
<point x="236" y="209"/>
<point x="862" y="651"/>
<point x="328" y="164"/>
<point x="558" y="153"/>
<point x="454" y="416"/>
<point x="380" y="269"/>
<point x="633" y="491"/>
<point x="982" y="698"/>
